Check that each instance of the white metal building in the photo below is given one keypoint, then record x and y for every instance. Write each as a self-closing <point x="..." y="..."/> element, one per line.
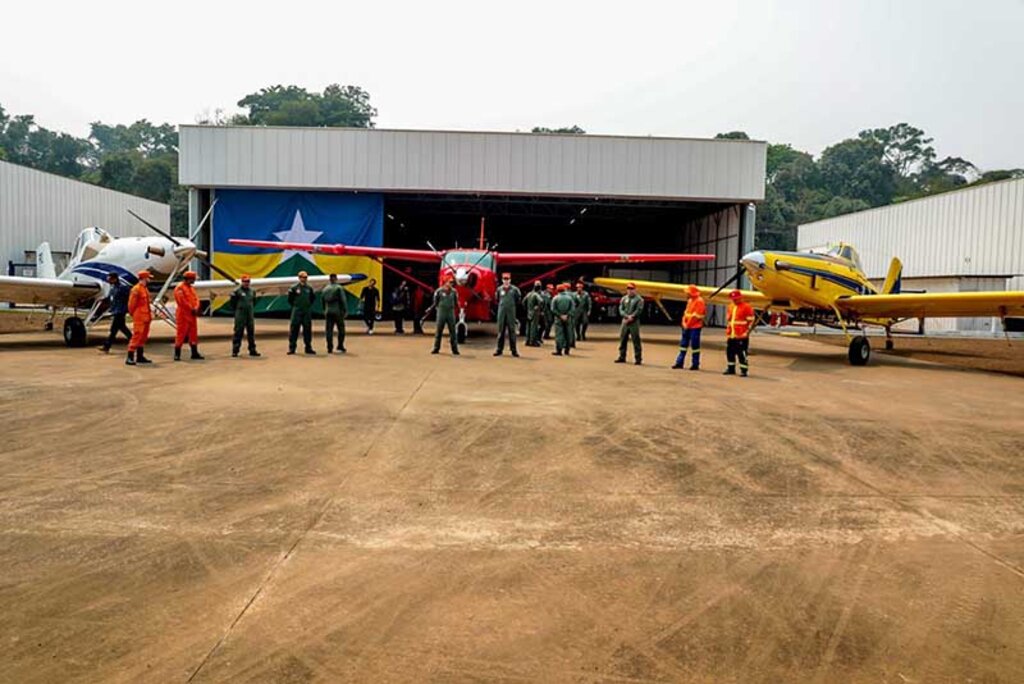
<point x="536" y="191"/>
<point x="960" y="241"/>
<point x="36" y="206"/>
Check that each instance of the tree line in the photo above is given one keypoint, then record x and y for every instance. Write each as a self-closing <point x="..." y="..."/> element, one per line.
<point x="877" y="167"/>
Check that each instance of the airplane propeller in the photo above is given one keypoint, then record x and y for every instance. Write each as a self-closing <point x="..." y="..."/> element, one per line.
<point x="727" y="283"/>
<point x="198" y="255"/>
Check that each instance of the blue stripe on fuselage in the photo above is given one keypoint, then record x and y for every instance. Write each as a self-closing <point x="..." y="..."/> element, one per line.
<point x="842" y="281"/>
<point x="100" y="270"/>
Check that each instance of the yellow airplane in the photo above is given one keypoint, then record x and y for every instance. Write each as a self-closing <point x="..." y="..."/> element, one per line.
<point x="831" y="290"/>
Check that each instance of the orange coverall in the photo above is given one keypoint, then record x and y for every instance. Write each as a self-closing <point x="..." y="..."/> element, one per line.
<point x="138" y="307"/>
<point x="185" y="322"/>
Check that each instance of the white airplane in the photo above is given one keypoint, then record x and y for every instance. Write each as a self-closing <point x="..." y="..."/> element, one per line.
<point x="82" y="286"/>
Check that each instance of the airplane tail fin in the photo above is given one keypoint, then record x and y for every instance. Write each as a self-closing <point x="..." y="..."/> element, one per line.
<point x="894" y="279"/>
<point x="44" y="262"/>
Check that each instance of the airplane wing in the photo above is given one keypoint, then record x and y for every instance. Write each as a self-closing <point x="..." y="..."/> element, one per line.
<point x="208" y="289"/>
<point x="676" y="292"/>
<point x="529" y="258"/>
<point x="939" y="305"/>
<point x="424" y="255"/>
<point x="47" y="291"/>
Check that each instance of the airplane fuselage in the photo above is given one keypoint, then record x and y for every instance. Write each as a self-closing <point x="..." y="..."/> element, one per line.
<point x="98" y="255"/>
<point x="476" y="281"/>
<point x="800" y="280"/>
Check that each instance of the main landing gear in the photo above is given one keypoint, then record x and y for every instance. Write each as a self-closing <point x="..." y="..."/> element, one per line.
<point x="74" y="332"/>
<point x="860" y="351"/>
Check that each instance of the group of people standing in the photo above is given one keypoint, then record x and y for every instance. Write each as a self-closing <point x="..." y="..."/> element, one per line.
<point x="559" y="308"/>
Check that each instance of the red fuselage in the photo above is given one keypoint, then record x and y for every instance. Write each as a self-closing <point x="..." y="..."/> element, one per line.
<point x="476" y="280"/>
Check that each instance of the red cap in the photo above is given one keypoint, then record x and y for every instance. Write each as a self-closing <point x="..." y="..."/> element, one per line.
<point x="735" y="294"/>
<point x="630" y="286"/>
<point x="562" y="287"/>
<point x="189" y="275"/>
<point x="551" y="286"/>
<point x="506" y="275"/>
<point x="694" y="292"/>
<point x="245" y="276"/>
<point x="144" y="274"/>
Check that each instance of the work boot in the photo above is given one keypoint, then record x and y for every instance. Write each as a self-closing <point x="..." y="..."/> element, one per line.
<point x="638" y="362"/>
<point x="196" y="356"/>
<point x="515" y="354"/>
<point x="621" y="359"/>
<point x="677" y="366"/>
<point x="310" y="351"/>
<point x="330" y="350"/>
<point x="498" y="353"/>
<point x="435" y="351"/>
<point x="743" y="373"/>
<point x="556" y="353"/>
<point x="342" y="350"/>
<point x="141" y="357"/>
<point x="235" y="350"/>
<point x="290" y="352"/>
<point x="130" y="361"/>
<point x="455" y="352"/>
<point x="105" y="349"/>
<point x="234" y="353"/>
<point x="729" y="371"/>
<point x="697" y="368"/>
<point x="253" y="352"/>
<point x="177" y="353"/>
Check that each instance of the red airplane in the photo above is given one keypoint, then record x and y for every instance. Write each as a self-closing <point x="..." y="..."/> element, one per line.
<point x="475" y="271"/>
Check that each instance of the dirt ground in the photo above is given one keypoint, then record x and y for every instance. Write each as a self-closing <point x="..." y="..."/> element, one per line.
<point x="392" y="515"/>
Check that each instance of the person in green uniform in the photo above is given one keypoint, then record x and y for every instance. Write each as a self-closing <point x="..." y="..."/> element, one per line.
<point x="561" y="310"/>
<point x="582" y="311"/>
<point x="445" y="301"/>
<point x="572" y="317"/>
<point x="243" y="299"/>
<point x="630" y="307"/>
<point x="300" y="298"/>
<point x="548" y="293"/>
<point x="534" y="315"/>
<point x="507" y="296"/>
<point x="335" y="308"/>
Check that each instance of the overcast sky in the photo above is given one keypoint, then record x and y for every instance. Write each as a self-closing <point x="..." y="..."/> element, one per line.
<point x="806" y="72"/>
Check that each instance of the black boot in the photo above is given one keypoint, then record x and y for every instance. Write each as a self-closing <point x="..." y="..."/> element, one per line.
<point x="130" y="361"/>
<point x="621" y="359"/>
<point x="729" y="371"/>
<point x="234" y="351"/>
<point x="196" y="356"/>
<point x="253" y="352"/>
<point x="177" y="353"/>
<point x="141" y="357"/>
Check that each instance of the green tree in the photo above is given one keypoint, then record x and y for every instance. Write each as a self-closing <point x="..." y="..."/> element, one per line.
<point x="856" y="168"/>
<point x="564" y="130"/>
<point x="295" y="106"/>
<point x="732" y="135"/>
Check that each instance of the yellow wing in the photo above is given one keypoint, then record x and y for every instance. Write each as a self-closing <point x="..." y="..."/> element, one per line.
<point x="934" y="305"/>
<point x="674" y="291"/>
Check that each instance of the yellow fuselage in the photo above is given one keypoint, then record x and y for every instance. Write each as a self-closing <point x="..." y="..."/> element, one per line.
<point x="797" y="280"/>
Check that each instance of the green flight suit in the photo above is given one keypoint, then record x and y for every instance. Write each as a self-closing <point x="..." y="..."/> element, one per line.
<point x="335" y="308"/>
<point x="630" y="307"/>
<point x="535" y="317"/>
<point x="561" y="309"/>
<point x="508" y="300"/>
<point x="572" y="318"/>
<point x="445" y="302"/>
<point x="548" y="317"/>
<point x="243" y="299"/>
<point x="582" y="314"/>
<point x="300" y="298"/>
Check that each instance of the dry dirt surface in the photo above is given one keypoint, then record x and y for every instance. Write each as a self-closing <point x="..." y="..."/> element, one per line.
<point x="389" y="515"/>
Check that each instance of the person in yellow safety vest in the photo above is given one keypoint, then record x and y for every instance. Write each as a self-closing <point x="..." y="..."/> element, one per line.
<point x="692" y="324"/>
<point x="739" y="321"/>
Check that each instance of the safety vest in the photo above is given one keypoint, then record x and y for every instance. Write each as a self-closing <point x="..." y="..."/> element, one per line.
<point x="694" y="316"/>
<point x="739" y="321"/>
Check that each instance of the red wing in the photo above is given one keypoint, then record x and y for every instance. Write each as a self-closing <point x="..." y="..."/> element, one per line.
<point x="527" y="258"/>
<point x="345" y="250"/>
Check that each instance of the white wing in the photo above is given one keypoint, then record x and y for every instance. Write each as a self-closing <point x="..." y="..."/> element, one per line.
<point x="208" y="289"/>
<point x="47" y="291"/>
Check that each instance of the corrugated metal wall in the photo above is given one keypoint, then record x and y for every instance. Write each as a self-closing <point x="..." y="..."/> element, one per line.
<point x="972" y="232"/>
<point x="37" y="206"/>
<point x="509" y="163"/>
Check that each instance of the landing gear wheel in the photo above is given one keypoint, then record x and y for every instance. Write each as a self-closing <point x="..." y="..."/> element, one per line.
<point x="888" y="345"/>
<point x="461" y="330"/>
<point x="860" y="351"/>
<point x="74" y="332"/>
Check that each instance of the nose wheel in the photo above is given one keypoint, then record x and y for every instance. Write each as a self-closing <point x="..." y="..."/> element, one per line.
<point x="74" y="332"/>
<point x="461" y="328"/>
<point x="860" y="351"/>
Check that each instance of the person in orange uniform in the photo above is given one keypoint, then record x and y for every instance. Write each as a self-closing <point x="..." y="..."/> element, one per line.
<point x="739" y="321"/>
<point x="138" y="308"/>
<point x="692" y="324"/>
<point x="186" y="316"/>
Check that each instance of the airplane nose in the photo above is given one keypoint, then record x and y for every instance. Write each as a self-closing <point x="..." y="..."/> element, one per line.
<point x="753" y="260"/>
<point x="461" y="276"/>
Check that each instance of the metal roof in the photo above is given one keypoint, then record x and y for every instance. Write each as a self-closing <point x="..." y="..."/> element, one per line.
<point x="471" y="162"/>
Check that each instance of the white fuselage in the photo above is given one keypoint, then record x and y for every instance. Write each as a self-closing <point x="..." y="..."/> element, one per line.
<point x="126" y="257"/>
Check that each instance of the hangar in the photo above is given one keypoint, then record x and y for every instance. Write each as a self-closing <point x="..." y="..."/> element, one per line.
<point x="402" y="188"/>
<point x="36" y="206"/>
<point x="960" y="241"/>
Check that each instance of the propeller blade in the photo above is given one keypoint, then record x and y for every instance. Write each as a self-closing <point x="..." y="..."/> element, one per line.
<point x="218" y="269"/>
<point x="199" y="226"/>
<point x="727" y="283"/>
<point x="156" y="230"/>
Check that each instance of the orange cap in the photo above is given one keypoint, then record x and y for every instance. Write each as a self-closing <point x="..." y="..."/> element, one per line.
<point x="189" y="275"/>
<point x="631" y="286"/>
<point x="245" y="276"/>
<point x="144" y="274"/>
<point x="694" y="292"/>
<point x="506" y="275"/>
<point x="735" y="295"/>
<point x="562" y="287"/>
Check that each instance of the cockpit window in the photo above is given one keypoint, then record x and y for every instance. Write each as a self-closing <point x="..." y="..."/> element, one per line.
<point x="847" y="252"/>
<point x="469" y="258"/>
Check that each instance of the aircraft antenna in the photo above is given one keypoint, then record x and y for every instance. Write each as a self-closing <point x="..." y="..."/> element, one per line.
<point x="482" y="220"/>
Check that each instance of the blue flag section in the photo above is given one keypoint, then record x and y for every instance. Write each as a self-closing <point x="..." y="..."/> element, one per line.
<point x="296" y="216"/>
